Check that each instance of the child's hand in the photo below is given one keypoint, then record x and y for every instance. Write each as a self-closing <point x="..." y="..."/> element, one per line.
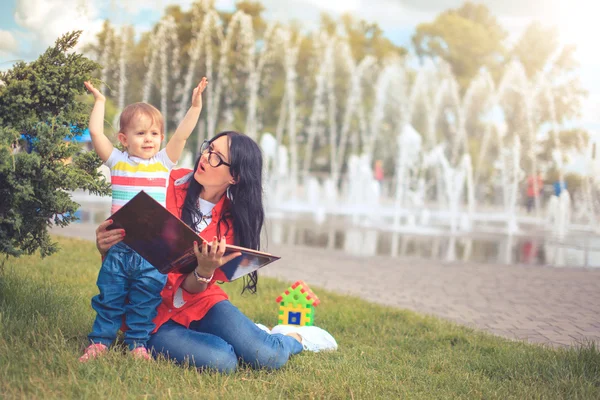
<point x="97" y="95"/>
<point x="197" y="94"/>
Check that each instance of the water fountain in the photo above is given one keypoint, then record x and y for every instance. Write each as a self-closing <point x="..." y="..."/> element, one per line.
<point x="439" y="187"/>
<point x="163" y="41"/>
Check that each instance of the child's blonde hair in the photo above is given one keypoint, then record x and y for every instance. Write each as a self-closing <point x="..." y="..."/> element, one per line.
<point x="133" y="110"/>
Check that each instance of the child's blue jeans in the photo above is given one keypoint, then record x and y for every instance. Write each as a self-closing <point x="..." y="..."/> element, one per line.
<point x="125" y="275"/>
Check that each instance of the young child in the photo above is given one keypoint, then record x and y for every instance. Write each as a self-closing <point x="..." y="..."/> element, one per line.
<point x="142" y="166"/>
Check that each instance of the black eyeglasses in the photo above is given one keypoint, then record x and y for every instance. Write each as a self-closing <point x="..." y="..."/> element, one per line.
<point x="214" y="159"/>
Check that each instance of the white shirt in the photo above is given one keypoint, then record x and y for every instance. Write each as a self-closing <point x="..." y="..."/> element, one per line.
<point x="205" y="208"/>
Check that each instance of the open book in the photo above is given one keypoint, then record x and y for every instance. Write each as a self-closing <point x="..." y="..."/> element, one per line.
<point x="167" y="242"/>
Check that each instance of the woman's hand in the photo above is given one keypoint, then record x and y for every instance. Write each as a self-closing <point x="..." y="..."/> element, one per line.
<point x="210" y="260"/>
<point x="105" y="239"/>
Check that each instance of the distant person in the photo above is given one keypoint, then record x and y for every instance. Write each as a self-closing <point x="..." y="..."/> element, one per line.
<point x="559" y="186"/>
<point x="378" y="173"/>
<point x="142" y="166"/>
<point x="529" y="252"/>
<point x="534" y="189"/>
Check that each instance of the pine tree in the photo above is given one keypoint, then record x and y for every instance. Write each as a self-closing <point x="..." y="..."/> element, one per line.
<point x="39" y="107"/>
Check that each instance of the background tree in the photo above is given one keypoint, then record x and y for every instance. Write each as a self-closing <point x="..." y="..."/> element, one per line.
<point x="553" y="66"/>
<point x="253" y="9"/>
<point x="470" y="38"/>
<point x="535" y="47"/>
<point x="467" y="38"/>
<point x="367" y="38"/>
<point x="39" y="103"/>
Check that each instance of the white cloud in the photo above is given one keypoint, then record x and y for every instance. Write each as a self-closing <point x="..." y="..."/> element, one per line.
<point x="8" y="43"/>
<point x="590" y="112"/>
<point x="134" y="7"/>
<point x="511" y="8"/>
<point x="46" y="20"/>
<point x="225" y="4"/>
<point x="131" y="8"/>
<point x="338" y="6"/>
<point x="389" y="14"/>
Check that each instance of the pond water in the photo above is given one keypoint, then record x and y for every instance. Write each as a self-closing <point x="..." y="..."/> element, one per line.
<point x="579" y="249"/>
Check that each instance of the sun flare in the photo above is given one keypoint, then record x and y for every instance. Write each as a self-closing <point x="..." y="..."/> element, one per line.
<point x="577" y="23"/>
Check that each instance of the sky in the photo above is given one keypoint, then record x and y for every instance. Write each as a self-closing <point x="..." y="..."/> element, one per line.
<point x="28" y="27"/>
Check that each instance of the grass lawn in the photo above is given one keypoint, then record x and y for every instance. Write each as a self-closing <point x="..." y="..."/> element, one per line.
<point x="384" y="353"/>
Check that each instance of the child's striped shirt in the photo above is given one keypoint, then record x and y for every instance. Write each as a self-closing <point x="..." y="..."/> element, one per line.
<point x="129" y="175"/>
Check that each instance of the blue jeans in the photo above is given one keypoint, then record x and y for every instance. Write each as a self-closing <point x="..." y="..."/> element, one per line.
<point x="125" y="275"/>
<point x="220" y="339"/>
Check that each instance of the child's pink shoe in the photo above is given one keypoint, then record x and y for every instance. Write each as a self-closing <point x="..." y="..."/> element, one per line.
<point x="93" y="351"/>
<point x="142" y="353"/>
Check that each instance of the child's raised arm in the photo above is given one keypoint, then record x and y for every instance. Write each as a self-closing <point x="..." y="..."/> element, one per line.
<point x="102" y="145"/>
<point x="184" y="130"/>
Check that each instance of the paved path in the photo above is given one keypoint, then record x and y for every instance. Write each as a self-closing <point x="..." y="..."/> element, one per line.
<point x="556" y="306"/>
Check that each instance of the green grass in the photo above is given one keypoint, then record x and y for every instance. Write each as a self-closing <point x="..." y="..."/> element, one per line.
<point x="384" y="353"/>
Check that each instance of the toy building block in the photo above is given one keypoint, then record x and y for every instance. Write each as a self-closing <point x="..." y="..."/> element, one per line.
<point x="297" y="305"/>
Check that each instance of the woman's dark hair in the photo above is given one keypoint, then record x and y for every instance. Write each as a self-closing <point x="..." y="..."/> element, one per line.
<point x="246" y="211"/>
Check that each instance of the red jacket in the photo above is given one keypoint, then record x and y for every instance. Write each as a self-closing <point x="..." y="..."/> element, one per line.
<point x="184" y="307"/>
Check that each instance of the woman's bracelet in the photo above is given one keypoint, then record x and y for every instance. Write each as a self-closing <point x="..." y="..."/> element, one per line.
<point x="202" y="279"/>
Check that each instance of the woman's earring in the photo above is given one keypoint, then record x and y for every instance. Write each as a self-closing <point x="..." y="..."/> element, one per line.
<point x="228" y="193"/>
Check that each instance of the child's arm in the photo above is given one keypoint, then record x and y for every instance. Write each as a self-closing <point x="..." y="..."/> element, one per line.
<point x="102" y="145"/>
<point x="184" y="130"/>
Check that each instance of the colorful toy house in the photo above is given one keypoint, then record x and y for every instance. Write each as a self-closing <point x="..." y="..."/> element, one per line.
<point x="297" y="305"/>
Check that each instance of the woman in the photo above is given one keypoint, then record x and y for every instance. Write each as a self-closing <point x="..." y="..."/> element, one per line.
<point x="222" y="201"/>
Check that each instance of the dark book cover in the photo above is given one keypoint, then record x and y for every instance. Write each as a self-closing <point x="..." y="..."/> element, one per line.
<point x="167" y="242"/>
